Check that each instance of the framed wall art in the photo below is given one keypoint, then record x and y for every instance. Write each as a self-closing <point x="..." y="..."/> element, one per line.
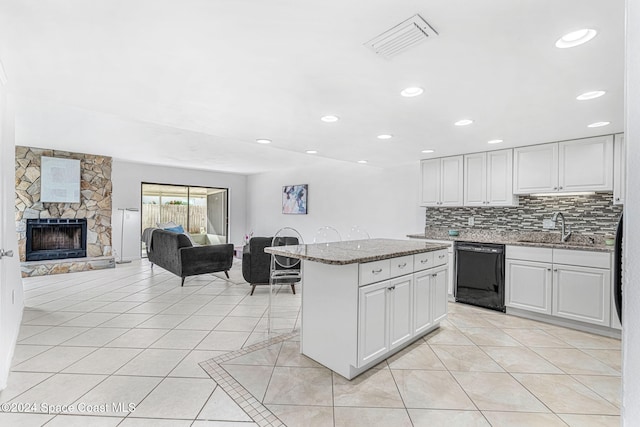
<point x="294" y="199"/>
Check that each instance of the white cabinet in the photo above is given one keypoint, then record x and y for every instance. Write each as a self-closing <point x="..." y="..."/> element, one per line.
<point x="586" y="164"/>
<point x="619" y="170"/>
<point x="582" y="293"/>
<point x="393" y="312"/>
<point x="528" y="285"/>
<point x="430" y="298"/>
<point x="439" y="305"/>
<point x="386" y="317"/>
<point x="535" y="169"/>
<point x="568" y="166"/>
<point x="488" y="179"/>
<point x="373" y="333"/>
<point x="571" y="284"/>
<point x="423" y="318"/>
<point x="400" y="310"/>
<point x="442" y="183"/>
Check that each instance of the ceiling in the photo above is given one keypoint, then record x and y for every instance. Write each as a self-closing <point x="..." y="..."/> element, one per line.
<point x="194" y="83"/>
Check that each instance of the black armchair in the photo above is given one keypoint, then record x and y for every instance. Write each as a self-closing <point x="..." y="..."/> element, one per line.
<point x="256" y="264"/>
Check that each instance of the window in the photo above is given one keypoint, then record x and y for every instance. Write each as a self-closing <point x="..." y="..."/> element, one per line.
<point x="201" y="211"/>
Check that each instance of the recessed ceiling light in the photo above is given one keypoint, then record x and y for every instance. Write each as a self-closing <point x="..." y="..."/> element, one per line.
<point x="494" y="141"/>
<point x="463" y="122"/>
<point x="590" y="95"/>
<point x="598" y="124"/>
<point x="428" y="151"/>
<point x="311" y="152"/>
<point x="263" y="141"/>
<point x="576" y="38"/>
<point x="329" y="119"/>
<point x="411" y="92"/>
<point x="385" y="136"/>
<point x="362" y="162"/>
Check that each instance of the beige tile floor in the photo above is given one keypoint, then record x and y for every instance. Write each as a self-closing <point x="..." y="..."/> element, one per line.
<point x="133" y="336"/>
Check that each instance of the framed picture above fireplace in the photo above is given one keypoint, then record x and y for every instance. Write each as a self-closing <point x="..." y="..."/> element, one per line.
<point x="59" y="180"/>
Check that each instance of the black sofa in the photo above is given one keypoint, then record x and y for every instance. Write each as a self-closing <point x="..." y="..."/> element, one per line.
<point x="256" y="264"/>
<point x="175" y="253"/>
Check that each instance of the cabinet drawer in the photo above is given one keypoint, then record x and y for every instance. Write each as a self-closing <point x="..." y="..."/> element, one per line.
<point x="582" y="258"/>
<point x="401" y="266"/>
<point x="440" y="257"/>
<point x="372" y="272"/>
<point x="422" y="261"/>
<point x="528" y="253"/>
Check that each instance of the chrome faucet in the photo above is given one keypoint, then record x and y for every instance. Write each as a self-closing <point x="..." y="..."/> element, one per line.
<point x="565" y="226"/>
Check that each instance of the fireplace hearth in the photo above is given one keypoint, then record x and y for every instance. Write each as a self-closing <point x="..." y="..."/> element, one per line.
<point x="56" y="238"/>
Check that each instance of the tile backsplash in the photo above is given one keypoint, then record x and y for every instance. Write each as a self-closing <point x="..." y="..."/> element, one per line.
<point x="588" y="214"/>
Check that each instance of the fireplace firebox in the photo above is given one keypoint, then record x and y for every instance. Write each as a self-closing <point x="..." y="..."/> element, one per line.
<point x="56" y="238"/>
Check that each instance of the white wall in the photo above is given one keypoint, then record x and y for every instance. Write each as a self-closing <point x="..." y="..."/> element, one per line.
<point x="11" y="293"/>
<point x="631" y="285"/>
<point x="127" y="181"/>
<point x="383" y="201"/>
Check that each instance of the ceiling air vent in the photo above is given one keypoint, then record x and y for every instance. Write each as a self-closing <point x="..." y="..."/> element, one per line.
<point x="401" y="37"/>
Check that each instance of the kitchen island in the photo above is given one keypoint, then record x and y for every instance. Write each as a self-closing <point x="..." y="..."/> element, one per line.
<point x="364" y="300"/>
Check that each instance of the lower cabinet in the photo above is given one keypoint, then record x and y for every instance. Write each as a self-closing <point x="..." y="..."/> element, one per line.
<point x="528" y="285"/>
<point x="582" y="293"/>
<point x="394" y="311"/>
<point x="546" y="281"/>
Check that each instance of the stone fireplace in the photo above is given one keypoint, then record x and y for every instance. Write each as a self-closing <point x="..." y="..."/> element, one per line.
<point x="56" y="238"/>
<point x="63" y="237"/>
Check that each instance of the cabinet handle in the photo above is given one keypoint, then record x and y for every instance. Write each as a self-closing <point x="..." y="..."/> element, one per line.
<point x="548" y="269"/>
<point x="434" y="274"/>
<point x="617" y="199"/>
<point x="424" y="261"/>
<point x="402" y="265"/>
<point x="441" y="256"/>
<point x="391" y="288"/>
<point x="555" y="188"/>
<point x="561" y="188"/>
<point x="555" y="270"/>
<point x="378" y="271"/>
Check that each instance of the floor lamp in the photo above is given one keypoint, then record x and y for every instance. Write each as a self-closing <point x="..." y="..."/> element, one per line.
<point x="124" y="211"/>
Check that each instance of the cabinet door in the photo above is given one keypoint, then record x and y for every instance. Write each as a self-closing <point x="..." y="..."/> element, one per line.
<point x="451" y="181"/>
<point x="439" y="300"/>
<point x="528" y="285"/>
<point x="373" y="333"/>
<point x="430" y="184"/>
<point x="400" y="310"/>
<point x="582" y="293"/>
<point x="535" y="169"/>
<point x="619" y="170"/>
<point x="500" y="179"/>
<point x="422" y="302"/>
<point x="475" y="179"/>
<point x="586" y="164"/>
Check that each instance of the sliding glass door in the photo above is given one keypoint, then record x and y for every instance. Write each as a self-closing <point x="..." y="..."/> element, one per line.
<point x="201" y="211"/>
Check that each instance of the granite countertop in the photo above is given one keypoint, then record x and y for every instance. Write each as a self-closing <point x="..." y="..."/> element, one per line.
<point x="354" y="251"/>
<point x="580" y="242"/>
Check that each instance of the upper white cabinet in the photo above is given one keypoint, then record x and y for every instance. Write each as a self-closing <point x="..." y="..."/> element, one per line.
<point x="535" y="169"/>
<point x="442" y="183"/>
<point x="586" y="164"/>
<point x="488" y="179"/>
<point x="619" y="170"/>
<point x="568" y="166"/>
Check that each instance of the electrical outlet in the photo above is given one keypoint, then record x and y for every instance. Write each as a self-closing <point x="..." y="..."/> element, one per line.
<point x="548" y="224"/>
<point x="472" y="221"/>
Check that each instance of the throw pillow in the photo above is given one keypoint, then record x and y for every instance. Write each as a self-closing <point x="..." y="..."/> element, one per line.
<point x="177" y="229"/>
<point x="165" y="225"/>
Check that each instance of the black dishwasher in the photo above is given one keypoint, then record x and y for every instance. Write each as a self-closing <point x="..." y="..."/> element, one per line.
<point x="480" y="274"/>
